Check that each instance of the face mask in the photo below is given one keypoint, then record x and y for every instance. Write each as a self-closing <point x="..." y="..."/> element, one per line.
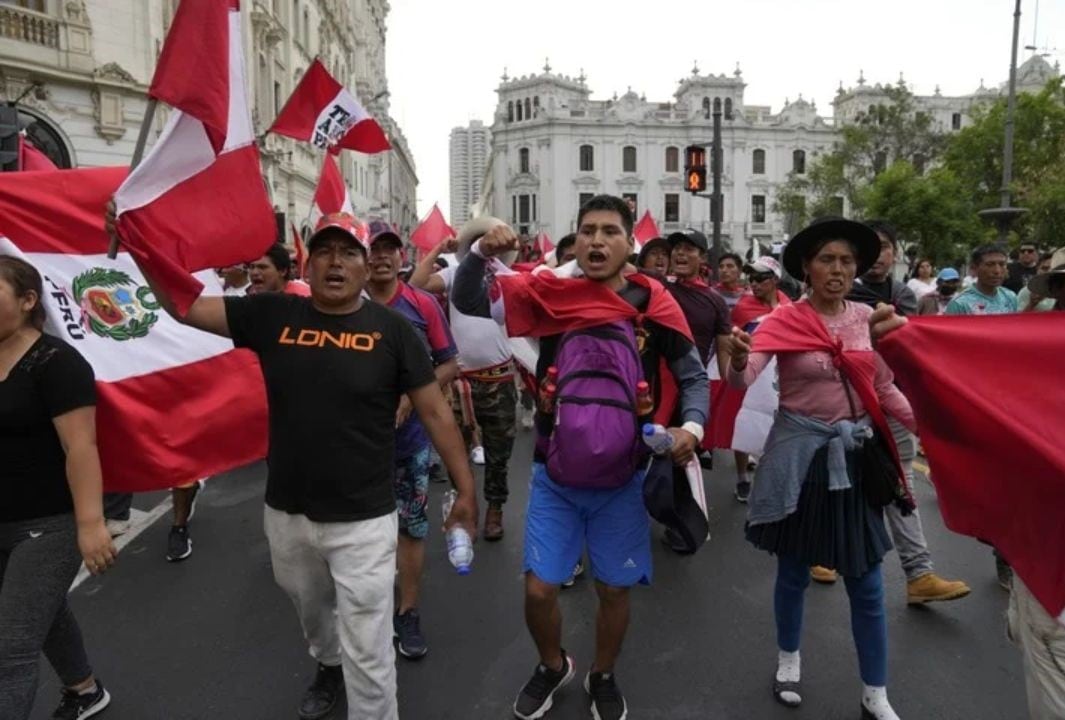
<point x="947" y="290"/>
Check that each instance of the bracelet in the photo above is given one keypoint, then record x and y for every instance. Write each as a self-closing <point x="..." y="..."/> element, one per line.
<point x="694" y="428"/>
<point x="476" y="249"/>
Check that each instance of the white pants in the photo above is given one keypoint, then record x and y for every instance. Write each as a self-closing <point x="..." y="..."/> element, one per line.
<point x="1042" y="642"/>
<point x="340" y="577"/>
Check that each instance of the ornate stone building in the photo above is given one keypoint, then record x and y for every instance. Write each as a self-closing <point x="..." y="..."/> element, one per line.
<point x="553" y="146"/>
<point x="79" y="70"/>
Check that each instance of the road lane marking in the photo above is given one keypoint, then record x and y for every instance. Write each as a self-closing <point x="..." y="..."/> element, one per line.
<point x="139" y="521"/>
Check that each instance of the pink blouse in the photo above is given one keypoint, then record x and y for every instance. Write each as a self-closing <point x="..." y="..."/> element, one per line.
<point x="810" y="384"/>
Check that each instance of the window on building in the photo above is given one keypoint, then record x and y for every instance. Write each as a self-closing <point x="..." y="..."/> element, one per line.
<point x="633" y="201"/>
<point x="758" y="162"/>
<point x="583" y="198"/>
<point x="277" y="98"/>
<point x="728" y="108"/>
<point x="955" y="121"/>
<point x="510" y="111"/>
<point x="671" y="211"/>
<point x="628" y="159"/>
<point x="586" y="158"/>
<point x="717" y="105"/>
<point x="528" y="109"/>
<point x="672" y="159"/>
<point x="798" y="162"/>
<point x="536" y="105"/>
<point x="534" y="216"/>
<point x="523" y="160"/>
<point x="518" y="106"/>
<point x="524" y="213"/>
<point x="706" y="108"/>
<point x="758" y="208"/>
<point x="835" y="205"/>
<point x="880" y="162"/>
<point x="513" y="209"/>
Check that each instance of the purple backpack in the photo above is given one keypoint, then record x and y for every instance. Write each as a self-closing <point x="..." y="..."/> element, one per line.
<point x="595" y="442"/>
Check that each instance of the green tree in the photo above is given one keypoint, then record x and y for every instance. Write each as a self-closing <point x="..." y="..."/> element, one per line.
<point x="974" y="156"/>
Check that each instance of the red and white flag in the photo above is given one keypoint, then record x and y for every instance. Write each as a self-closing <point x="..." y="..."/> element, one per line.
<point x="431" y="231"/>
<point x="198" y="201"/>
<point x="544" y="244"/>
<point x="152" y="431"/>
<point x="646" y="229"/>
<point x="320" y="111"/>
<point x="331" y="195"/>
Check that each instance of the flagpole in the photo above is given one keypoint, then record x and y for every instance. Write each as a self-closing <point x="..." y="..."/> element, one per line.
<point x="138" y="153"/>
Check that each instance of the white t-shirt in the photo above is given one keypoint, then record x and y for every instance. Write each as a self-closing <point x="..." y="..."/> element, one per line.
<point x="481" y="341"/>
<point x="920" y="287"/>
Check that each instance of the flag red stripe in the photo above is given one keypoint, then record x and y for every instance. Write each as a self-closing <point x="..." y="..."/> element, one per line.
<point x="205" y="426"/>
<point x="316" y="89"/>
<point x="364" y="136"/>
<point x="171" y="241"/>
<point x="331" y="192"/>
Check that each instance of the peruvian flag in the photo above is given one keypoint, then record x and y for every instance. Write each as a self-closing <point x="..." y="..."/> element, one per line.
<point x="174" y="404"/>
<point x="431" y="231"/>
<point x="646" y="229"/>
<point x="321" y="112"/>
<point x="30" y="158"/>
<point x="543" y="242"/>
<point x="331" y="195"/>
<point x="198" y="200"/>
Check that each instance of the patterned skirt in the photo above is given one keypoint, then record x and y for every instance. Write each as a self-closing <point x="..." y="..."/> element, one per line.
<point x="836" y="529"/>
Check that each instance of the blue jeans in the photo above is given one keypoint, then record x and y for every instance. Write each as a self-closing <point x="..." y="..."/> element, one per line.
<point x="868" y="620"/>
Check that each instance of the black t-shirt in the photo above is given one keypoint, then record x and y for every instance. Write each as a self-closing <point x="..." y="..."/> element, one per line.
<point x="50" y="380"/>
<point x="1017" y="276"/>
<point x="333" y="384"/>
<point x="706" y="312"/>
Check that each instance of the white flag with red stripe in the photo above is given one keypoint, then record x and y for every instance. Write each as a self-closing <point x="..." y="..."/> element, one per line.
<point x="197" y="200"/>
<point x="174" y="404"/>
<point x="320" y="111"/>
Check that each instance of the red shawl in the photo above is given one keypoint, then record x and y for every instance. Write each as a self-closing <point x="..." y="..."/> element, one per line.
<point x="988" y="395"/>
<point x="751" y="308"/>
<point x="798" y="328"/>
<point x="541" y="305"/>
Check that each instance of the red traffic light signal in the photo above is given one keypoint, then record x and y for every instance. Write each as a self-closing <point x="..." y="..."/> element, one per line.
<point x="695" y="168"/>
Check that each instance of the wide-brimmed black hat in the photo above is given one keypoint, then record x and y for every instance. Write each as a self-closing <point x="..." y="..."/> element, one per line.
<point x="865" y="240"/>
<point x="658" y="242"/>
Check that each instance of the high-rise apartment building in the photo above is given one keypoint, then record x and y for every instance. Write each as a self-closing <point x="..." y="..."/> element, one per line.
<point x="470" y="149"/>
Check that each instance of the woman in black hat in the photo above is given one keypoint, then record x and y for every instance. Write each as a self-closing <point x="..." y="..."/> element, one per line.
<point x="810" y="504"/>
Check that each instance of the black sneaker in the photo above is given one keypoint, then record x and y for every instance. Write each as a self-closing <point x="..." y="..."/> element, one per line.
<point x="607" y="701"/>
<point x="74" y="706"/>
<point x="407" y="629"/>
<point x="578" y="570"/>
<point x="706" y="459"/>
<point x="179" y="544"/>
<point x="743" y="490"/>
<point x="437" y="473"/>
<point x="321" y="697"/>
<point x="536" y="698"/>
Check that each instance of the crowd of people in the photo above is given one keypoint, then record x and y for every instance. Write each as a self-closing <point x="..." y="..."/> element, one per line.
<point x="397" y="367"/>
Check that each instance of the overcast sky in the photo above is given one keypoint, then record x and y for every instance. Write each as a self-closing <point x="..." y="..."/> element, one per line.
<point x="445" y="58"/>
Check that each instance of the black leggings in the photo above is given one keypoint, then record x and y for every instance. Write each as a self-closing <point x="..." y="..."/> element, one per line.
<point x="38" y="561"/>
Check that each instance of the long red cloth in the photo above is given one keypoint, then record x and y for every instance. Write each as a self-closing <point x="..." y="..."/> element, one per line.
<point x="542" y="305"/>
<point x="798" y="328"/>
<point x="988" y="393"/>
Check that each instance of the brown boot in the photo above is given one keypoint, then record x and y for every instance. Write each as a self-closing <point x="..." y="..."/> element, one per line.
<point x="823" y="575"/>
<point x="932" y="588"/>
<point x="493" y="523"/>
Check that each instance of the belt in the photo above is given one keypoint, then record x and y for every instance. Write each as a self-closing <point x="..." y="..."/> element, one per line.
<point x="503" y="372"/>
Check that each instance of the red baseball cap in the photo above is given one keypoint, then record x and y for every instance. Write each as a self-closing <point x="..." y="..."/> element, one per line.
<point x="345" y="223"/>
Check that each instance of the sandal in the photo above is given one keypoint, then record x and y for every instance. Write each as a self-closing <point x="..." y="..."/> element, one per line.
<point x="780" y="687"/>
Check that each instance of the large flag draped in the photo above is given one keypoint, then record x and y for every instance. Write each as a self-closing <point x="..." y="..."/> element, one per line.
<point x="321" y="112"/>
<point x="197" y="201"/>
<point x="30" y="158"/>
<point x="988" y="394"/>
<point x="174" y="404"/>
<point x="431" y="231"/>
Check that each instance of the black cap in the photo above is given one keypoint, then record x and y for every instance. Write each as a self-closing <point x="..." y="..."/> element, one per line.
<point x="658" y="242"/>
<point x="694" y="237"/>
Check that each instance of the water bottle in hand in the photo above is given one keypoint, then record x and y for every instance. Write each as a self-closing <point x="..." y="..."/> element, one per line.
<point x="657" y="438"/>
<point x="459" y="544"/>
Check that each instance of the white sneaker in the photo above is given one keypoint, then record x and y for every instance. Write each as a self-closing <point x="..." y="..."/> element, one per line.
<point x="527" y="419"/>
<point x="117" y="527"/>
<point x="477" y="455"/>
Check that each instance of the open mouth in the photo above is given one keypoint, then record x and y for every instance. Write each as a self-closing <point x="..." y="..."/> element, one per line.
<point x="834" y="285"/>
<point x="334" y="279"/>
<point x="596" y="258"/>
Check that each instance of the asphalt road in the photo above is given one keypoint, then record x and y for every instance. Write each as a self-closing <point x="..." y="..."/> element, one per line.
<point x="213" y="637"/>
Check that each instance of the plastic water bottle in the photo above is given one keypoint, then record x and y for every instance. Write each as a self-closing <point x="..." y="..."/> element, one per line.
<point x="459" y="544"/>
<point x="657" y="438"/>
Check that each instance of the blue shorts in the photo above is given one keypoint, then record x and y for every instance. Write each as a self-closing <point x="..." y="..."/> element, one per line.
<point x="613" y="524"/>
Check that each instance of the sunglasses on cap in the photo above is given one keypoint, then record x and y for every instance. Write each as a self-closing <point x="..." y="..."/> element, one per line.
<point x="760" y="276"/>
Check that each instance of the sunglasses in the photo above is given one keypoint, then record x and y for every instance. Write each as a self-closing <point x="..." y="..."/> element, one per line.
<point x="1027" y="250"/>
<point x="760" y="277"/>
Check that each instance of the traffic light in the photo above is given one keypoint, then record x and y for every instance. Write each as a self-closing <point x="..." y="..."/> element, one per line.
<point x="8" y="138"/>
<point x="695" y="169"/>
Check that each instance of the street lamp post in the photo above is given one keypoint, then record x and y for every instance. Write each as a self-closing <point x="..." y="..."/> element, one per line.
<point x="1005" y="214"/>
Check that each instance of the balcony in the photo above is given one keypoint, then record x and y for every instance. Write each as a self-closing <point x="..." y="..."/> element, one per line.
<point x="28" y="26"/>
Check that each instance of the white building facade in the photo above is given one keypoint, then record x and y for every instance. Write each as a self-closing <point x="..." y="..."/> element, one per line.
<point x="80" y="70"/>
<point x="468" y="151"/>
<point x="553" y="147"/>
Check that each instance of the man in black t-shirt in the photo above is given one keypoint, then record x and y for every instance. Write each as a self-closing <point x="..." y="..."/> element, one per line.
<point x="335" y="367"/>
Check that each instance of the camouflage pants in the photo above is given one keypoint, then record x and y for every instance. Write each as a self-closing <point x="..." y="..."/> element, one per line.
<point x="495" y="412"/>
